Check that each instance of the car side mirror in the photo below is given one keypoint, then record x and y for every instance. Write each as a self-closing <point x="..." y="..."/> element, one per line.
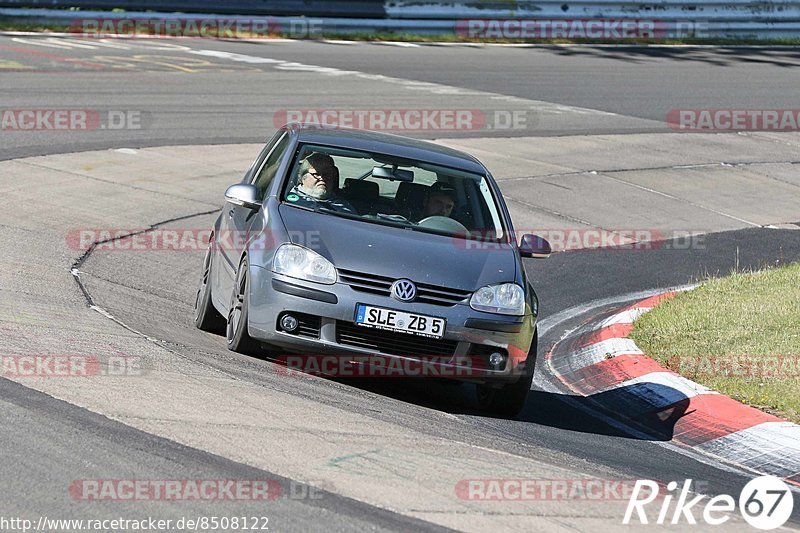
<point x="534" y="246"/>
<point x="243" y="194"/>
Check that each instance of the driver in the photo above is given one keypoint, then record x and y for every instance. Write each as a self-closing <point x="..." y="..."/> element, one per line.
<point x="317" y="179"/>
<point x="439" y="201"/>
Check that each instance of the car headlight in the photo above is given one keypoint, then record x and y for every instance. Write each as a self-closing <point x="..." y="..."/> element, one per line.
<point x="505" y="299"/>
<point x="302" y="263"/>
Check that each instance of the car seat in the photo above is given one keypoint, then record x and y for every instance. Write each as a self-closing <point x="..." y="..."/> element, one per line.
<point x="410" y="198"/>
<point x="363" y="195"/>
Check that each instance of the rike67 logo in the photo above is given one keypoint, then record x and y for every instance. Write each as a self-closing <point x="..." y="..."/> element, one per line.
<point x="765" y="503"/>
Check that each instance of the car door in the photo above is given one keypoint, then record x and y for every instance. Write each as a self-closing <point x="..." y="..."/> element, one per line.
<point x="236" y="221"/>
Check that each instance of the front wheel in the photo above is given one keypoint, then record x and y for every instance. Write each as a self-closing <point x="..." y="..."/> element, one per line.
<point x="206" y="316"/>
<point x="239" y="340"/>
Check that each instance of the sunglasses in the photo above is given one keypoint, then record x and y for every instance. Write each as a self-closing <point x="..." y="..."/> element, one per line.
<point x="317" y="175"/>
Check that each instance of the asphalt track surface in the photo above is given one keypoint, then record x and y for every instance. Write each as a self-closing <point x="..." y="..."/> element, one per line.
<point x="229" y="107"/>
<point x="636" y="87"/>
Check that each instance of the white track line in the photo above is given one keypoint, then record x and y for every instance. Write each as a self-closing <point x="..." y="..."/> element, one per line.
<point x="785" y="435"/>
<point x="550" y="322"/>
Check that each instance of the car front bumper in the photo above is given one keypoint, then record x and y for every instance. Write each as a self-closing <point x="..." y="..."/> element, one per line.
<point x="327" y="313"/>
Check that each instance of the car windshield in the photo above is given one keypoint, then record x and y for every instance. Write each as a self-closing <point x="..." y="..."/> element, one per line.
<point x="387" y="190"/>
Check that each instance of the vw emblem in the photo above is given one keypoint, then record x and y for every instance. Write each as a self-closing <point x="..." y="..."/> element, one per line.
<point x="404" y="290"/>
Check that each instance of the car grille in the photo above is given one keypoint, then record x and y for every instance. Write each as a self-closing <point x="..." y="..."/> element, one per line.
<point x="428" y="294"/>
<point x="390" y="342"/>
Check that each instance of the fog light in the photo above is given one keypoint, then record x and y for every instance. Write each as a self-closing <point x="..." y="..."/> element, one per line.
<point x="289" y="323"/>
<point x="496" y="359"/>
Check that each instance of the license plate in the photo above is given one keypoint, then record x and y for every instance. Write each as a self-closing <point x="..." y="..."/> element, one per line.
<point x="392" y="320"/>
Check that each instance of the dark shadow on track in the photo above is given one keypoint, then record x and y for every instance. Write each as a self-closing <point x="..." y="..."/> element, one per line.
<point x="719" y="56"/>
<point x="620" y="412"/>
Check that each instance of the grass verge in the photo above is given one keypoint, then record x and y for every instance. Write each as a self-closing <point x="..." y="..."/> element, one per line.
<point x="739" y="335"/>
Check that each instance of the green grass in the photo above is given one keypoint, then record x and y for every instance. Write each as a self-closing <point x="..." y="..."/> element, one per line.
<point x="739" y="335"/>
<point x="7" y="24"/>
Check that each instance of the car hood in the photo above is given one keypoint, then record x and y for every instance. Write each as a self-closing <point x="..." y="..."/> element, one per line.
<point x="400" y="253"/>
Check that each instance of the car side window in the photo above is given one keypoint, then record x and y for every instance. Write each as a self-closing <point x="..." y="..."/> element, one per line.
<point x="249" y="175"/>
<point x="270" y="166"/>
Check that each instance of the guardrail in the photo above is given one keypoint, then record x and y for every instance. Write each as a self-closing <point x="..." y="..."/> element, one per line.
<point x="701" y="10"/>
<point x="736" y="19"/>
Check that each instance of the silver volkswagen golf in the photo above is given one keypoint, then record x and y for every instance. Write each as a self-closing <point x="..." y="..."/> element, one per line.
<point x="387" y="253"/>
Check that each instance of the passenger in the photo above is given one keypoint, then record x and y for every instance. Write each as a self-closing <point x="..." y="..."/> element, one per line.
<point x="317" y="180"/>
<point x="440" y="201"/>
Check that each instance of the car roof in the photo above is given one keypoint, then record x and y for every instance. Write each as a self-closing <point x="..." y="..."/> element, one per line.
<point x="386" y="143"/>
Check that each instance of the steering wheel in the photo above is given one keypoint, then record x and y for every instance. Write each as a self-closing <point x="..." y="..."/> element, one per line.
<point x="443" y="224"/>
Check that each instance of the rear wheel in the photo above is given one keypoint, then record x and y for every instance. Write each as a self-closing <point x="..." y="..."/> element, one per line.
<point x="509" y="400"/>
<point x="206" y="316"/>
<point x="239" y="340"/>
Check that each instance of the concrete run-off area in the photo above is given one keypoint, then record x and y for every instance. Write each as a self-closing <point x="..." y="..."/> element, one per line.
<point x="604" y="184"/>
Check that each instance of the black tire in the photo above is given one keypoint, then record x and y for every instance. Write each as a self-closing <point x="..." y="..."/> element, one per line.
<point x="239" y="339"/>
<point x="206" y="316"/>
<point x="509" y="400"/>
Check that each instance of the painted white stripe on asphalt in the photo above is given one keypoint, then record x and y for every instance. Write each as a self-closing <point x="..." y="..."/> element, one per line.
<point x="401" y="44"/>
<point x="268" y="40"/>
<point x="302" y="67"/>
<point x="435" y="88"/>
<point x="771" y="447"/>
<point x="511" y="45"/>
<point x="51" y="42"/>
<point x="127" y="43"/>
<point x="686" y="388"/>
<point x="461" y="45"/>
<point x="242" y="58"/>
